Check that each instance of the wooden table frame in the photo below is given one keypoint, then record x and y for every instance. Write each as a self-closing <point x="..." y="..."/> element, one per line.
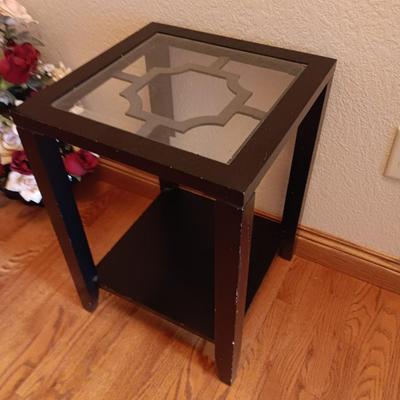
<point x="234" y="247"/>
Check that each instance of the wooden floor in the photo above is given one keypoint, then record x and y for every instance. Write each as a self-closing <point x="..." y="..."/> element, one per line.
<point x="311" y="334"/>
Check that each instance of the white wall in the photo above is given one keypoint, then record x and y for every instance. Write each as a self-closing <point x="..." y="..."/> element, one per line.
<point x="348" y="196"/>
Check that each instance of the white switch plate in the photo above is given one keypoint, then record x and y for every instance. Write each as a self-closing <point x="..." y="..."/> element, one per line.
<point x="393" y="165"/>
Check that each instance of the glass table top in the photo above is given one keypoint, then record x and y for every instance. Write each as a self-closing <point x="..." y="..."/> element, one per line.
<point x="198" y="97"/>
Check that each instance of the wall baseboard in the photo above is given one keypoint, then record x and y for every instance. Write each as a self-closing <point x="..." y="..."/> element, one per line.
<point x="378" y="269"/>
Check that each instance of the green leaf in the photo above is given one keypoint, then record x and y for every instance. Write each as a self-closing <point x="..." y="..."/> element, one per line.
<point x="36" y="83"/>
<point x="4" y="85"/>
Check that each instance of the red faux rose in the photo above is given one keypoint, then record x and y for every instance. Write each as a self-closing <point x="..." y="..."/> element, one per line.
<point x="80" y="162"/>
<point x="19" y="63"/>
<point x="20" y="163"/>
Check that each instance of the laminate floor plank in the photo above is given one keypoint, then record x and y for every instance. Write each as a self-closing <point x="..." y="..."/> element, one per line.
<point x="311" y="333"/>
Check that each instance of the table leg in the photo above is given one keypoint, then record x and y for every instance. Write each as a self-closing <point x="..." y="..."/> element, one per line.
<point x="233" y="229"/>
<point x="306" y="140"/>
<point x="47" y="165"/>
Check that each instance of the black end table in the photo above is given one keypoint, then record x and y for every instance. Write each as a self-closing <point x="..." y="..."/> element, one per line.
<point x="199" y="110"/>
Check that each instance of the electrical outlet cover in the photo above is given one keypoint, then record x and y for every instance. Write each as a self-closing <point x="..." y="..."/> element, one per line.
<point x="393" y="165"/>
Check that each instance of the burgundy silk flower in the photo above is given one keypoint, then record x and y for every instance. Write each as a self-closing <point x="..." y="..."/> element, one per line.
<point x="80" y="162"/>
<point x="19" y="63"/>
<point x="20" y="163"/>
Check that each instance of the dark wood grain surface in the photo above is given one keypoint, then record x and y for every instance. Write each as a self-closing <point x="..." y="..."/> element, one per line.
<point x="233" y="182"/>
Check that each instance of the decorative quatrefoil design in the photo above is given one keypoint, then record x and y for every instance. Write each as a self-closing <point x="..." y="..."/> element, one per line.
<point x="154" y="120"/>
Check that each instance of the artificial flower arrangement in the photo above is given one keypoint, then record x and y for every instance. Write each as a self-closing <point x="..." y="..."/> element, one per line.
<point x="22" y="74"/>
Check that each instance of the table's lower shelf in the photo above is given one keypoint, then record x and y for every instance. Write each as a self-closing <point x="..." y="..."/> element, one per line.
<point x="165" y="261"/>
